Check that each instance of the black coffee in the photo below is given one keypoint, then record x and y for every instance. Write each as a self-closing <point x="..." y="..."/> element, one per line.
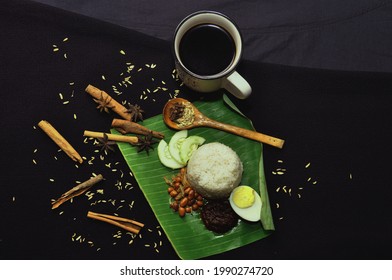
<point x="207" y="49"/>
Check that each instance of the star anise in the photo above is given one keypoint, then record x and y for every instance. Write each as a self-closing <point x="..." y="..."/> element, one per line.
<point x="103" y="103"/>
<point x="145" y="143"/>
<point x="105" y="143"/>
<point x="135" y="111"/>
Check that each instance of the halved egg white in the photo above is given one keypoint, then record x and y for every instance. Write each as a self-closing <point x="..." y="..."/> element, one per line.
<point x="251" y="213"/>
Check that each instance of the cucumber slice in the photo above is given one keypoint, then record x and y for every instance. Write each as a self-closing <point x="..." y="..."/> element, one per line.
<point x="175" y="145"/>
<point x="190" y="145"/>
<point x="165" y="156"/>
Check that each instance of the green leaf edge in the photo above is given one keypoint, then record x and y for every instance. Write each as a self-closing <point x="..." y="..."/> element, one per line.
<point x="266" y="214"/>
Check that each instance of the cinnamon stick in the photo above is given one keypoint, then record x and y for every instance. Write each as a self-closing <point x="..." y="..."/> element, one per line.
<point x="77" y="190"/>
<point x="60" y="140"/>
<point x="98" y="94"/>
<point x="113" y="137"/>
<point x="127" y="224"/>
<point x="126" y="126"/>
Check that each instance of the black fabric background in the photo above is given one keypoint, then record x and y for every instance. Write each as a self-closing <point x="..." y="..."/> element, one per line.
<point x="329" y="34"/>
<point x="338" y="121"/>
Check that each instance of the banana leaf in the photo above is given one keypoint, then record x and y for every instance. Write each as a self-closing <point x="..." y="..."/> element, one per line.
<point x="149" y="174"/>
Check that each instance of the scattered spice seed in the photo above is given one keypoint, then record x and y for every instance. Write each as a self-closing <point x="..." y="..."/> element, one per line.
<point x="122" y="52"/>
<point x="307" y="165"/>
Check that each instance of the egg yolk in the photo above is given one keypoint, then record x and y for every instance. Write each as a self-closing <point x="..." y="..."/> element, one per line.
<point x="243" y="197"/>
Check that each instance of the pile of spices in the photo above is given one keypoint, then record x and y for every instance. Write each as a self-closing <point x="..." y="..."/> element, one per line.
<point x="182" y="113"/>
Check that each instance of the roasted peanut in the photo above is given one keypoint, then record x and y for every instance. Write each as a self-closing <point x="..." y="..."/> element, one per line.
<point x="173" y="193"/>
<point x="174" y="205"/>
<point x="184" y="202"/>
<point x="191" y="194"/>
<point x="181" y="211"/>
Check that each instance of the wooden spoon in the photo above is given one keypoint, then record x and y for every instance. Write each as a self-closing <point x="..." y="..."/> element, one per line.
<point x="197" y="119"/>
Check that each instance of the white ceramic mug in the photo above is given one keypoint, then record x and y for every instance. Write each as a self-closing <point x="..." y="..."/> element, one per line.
<point x="227" y="78"/>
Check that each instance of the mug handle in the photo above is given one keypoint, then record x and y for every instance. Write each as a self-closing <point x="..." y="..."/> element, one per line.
<point x="237" y="85"/>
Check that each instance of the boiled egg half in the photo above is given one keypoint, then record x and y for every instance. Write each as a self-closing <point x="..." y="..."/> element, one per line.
<point x="246" y="202"/>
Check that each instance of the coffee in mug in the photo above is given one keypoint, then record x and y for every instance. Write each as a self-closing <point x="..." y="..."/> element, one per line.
<point x="207" y="49"/>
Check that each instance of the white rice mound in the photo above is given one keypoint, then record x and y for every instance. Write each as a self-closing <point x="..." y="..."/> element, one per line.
<point x="214" y="170"/>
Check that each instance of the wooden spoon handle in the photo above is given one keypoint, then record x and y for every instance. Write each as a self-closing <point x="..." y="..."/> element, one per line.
<point x="250" y="134"/>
